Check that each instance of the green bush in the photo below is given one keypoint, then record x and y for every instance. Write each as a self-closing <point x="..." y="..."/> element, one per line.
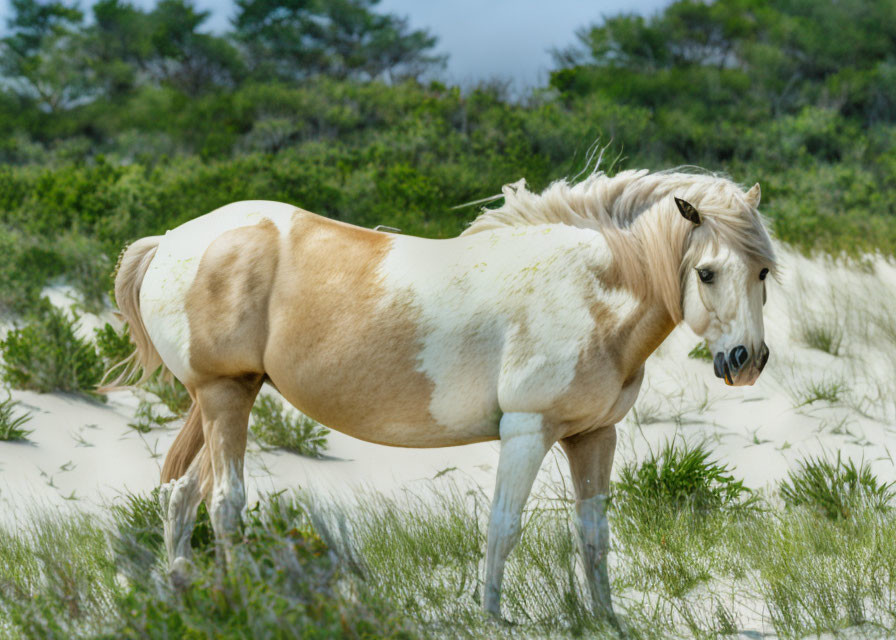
<point x="112" y="345"/>
<point x="10" y="424"/>
<point x="271" y="426"/>
<point x="680" y="477"/>
<point x="836" y="489"/>
<point x="47" y="355"/>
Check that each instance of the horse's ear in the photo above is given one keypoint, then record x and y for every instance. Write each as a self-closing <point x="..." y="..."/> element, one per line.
<point x="688" y="211"/>
<point x="753" y="196"/>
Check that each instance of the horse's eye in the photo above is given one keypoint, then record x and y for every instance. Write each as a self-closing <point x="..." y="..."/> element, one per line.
<point x="705" y="275"/>
<point x="763" y="273"/>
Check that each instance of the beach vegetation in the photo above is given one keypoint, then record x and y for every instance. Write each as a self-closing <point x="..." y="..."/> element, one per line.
<point x="273" y="425"/>
<point x="836" y="488"/>
<point x="13" y="420"/>
<point x="46" y="354"/>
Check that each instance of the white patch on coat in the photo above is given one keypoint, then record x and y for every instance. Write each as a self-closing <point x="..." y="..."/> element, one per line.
<point x="172" y="271"/>
<point x="504" y="314"/>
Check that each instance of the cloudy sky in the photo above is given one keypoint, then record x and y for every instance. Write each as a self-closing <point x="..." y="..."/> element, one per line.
<point x="484" y="38"/>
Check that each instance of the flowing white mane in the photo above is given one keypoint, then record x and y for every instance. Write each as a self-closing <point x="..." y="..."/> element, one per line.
<point x="614" y="206"/>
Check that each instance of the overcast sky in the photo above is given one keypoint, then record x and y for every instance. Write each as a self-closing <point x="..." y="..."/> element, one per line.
<point x="484" y="38"/>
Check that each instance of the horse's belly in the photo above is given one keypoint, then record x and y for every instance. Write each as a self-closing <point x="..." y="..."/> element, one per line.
<point x="381" y="414"/>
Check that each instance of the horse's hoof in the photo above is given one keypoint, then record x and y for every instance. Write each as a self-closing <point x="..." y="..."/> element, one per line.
<point x="180" y="573"/>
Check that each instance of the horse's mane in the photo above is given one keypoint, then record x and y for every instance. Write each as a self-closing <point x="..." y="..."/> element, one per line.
<point x="614" y="206"/>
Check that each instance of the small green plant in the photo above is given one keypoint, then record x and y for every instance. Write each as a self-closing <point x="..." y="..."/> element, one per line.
<point x="836" y="489"/>
<point x="146" y="419"/>
<point x="47" y="355"/>
<point x="680" y="477"/>
<point x="113" y="345"/>
<point x="11" y="424"/>
<point x="824" y="390"/>
<point x="172" y="393"/>
<point x="272" y="427"/>
<point x="700" y="352"/>
<point x="824" y="337"/>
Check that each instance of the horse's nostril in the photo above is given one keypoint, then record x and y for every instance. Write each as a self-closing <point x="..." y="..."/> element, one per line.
<point x="718" y="365"/>
<point x="738" y="357"/>
<point x="763" y="356"/>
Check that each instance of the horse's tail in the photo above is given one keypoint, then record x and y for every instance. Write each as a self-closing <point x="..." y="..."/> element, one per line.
<point x="186" y="445"/>
<point x="132" y="265"/>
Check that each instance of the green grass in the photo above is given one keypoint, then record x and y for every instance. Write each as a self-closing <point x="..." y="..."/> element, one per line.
<point x="824" y="337"/>
<point x="681" y="477"/>
<point x="170" y="392"/>
<point x="11" y="424"/>
<point x="146" y="418"/>
<point x="410" y="566"/>
<point x="836" y="488"/>
<point x="273" y="427"/>
<point x="828" y="389"/>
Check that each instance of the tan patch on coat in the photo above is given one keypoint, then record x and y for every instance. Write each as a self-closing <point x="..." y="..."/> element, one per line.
<point x="227" y="304"/>
<point x="335" y="350"/>
<point x="610" y="369"/>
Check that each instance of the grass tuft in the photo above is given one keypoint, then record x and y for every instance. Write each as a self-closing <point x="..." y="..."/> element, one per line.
<point x="681" y="477"/>
<point x="835" y="488"/>
<point x="824" y="337"/>
<point x="272" y="427"/>
<point x="10" y="424"/>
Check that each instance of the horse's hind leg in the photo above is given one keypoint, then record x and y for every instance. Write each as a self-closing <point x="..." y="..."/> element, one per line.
<point x="179" y="499"/>
<point x="523" y="447"/>
<point x="226" y="404"/>
<point x="590" y="460"/>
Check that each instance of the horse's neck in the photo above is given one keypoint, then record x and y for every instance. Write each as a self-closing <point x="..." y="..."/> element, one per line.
<point x="648" y="267"/>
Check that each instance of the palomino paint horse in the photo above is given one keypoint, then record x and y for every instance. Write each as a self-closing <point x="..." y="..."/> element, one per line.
<point x="532" y="327"/>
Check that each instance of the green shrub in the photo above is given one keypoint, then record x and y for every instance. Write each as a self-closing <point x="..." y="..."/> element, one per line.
<point x="680" y="477"/>
<point x="87" y="268"/>
<point x="25" y="265"/>
<point x="113" y="347"/>
<point x="271" y="426"/>
<point x="836" y="489"/>
<point x="10" y="424"/>
<point x="47" y="355"/>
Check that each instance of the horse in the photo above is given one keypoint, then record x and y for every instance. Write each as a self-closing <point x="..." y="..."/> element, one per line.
<point x="532" y="327"/>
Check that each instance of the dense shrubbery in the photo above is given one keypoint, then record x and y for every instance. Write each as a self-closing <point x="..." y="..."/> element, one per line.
<point x="117" y="154"/>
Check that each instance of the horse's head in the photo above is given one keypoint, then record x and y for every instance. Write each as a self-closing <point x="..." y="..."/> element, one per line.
<point x="723" y="285"/>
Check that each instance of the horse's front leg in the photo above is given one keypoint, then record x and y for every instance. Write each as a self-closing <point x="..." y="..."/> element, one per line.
<point x="590" y="461"/>
<point x="226" y="404"/>
<point x="524" y="443"/>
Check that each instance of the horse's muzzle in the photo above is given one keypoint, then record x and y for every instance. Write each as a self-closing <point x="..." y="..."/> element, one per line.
<point x="739" y="366"/>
